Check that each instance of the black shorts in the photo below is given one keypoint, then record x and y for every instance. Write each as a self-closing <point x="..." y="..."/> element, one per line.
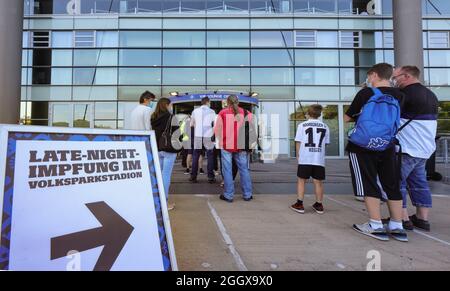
<point x="311" y="171"/>
<point x="373" y="172"/>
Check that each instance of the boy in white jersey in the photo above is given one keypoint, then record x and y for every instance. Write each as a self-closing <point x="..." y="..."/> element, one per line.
<point x="311" y="138"/>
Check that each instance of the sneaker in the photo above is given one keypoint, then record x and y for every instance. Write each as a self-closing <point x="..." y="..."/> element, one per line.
<point x="318" y="207"/>
<point x="248" y="199"/>
<point x="170" y="206"/>
<point x="187" y="172"/>
<point x="298" y="207"/>
<point x="359" y="198"/>
<point x="202" y="172"/>
<point x="366" y="229"/>
<point x="222" y="197"/>
<point x="398" y="234"/>
<point x="212" y="181"/>
<point x="193" y="180"/>
<point x="407" y="225"/>
<point x="420" y="223"/>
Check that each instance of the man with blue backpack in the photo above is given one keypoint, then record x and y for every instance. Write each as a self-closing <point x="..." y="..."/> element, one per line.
<point x="372" y="151"/>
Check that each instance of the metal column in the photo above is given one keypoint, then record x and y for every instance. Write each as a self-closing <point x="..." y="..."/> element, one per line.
<point x="408" y="37"/>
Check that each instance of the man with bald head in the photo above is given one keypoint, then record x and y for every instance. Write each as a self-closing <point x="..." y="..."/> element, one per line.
<point x="417" y="139"/>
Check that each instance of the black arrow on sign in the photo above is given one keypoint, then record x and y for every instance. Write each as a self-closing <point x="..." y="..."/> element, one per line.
<point x="113" y="234"/>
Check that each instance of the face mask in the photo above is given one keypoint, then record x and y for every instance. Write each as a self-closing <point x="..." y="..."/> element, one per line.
<point x="170" y="109"/>
<point x="368" y="83"/>
<point x="151" y="105"/>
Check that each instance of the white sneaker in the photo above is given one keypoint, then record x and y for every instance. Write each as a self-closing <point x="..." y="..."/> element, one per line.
<point x="170" y="206"/>
<point x="366" y="229"/>
<point x="359" y="198"/>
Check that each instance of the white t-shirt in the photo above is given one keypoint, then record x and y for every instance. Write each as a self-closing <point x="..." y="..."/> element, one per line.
<point x="313" y="136"/>
<point x="140" y="118"/>
<point x="203" y="119"/>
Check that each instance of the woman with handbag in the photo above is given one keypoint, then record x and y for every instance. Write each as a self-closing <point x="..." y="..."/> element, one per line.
<point x="164" y="124"/>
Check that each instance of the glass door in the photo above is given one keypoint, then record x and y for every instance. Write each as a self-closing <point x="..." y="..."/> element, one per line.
<point x="331" y="116"/>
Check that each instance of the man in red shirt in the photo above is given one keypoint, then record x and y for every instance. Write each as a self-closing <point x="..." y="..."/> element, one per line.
<point x="229" y="131"/>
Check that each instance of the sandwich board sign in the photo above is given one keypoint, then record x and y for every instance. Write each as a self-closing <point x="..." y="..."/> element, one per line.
<point x="82" y="199"/>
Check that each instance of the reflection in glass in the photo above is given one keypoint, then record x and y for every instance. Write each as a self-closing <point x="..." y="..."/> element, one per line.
<point x="62" y="114"/>
<point x="184" y="76"/>
<point x="316" y="58"/>
<point x="140" y="58"/>
<point x="226" y="39"/>
<point x="137" y="76"/>
<point x="105" y="110"/>
<point x="184" y="58"/>
<point x="140" y="39"/>
<point x="229" y="58"/>
<point x="316" y="76"/>
<point x="272" y="39"/>
<point x="278" y="58"/>
<point x="184" y="39"/>
<point x="330" y="116"/>
<point x="235" y="76"/>
<point x="62" y="39"/>
<point x="107" y="38"/>
<point x="272" y="76"/>
<point x="92" y="76"/>
<point x="85" y="58"/>
<point x="82" y="115"/>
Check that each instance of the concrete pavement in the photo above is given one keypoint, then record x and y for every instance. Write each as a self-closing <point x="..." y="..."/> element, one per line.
<point x="266" y="235"/>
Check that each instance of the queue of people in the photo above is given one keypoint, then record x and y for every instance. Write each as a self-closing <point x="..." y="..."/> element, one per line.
<point x="223" y="137"/>
<point x="395" y="118"/>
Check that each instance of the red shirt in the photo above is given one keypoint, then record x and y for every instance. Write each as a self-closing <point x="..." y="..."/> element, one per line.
<point x="228" y="127"/>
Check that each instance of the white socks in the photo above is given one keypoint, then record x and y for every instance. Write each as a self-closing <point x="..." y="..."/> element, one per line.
<point x="395" y="224"/>
<point x="376" y="224"/>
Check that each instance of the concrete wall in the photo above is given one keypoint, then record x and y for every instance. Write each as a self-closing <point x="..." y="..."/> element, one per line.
<point x="11" y="15"/>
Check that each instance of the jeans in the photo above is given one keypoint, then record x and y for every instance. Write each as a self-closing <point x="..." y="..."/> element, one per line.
<point x="167" y="160"/>
<point x="241" y="159"/>
<point x="198" y="148"/>
<point x="414" y="182"/>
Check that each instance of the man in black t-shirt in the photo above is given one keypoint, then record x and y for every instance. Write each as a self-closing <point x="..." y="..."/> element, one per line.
<point x="418" y="143"/>
<point x="373" y="172"/>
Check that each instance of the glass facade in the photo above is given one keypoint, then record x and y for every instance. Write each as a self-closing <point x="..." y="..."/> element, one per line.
<point x="82" y="70"/>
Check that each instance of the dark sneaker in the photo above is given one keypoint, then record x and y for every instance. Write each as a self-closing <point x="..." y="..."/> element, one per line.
<point x="398" y="234"/>
<point x="366" y="229"/>
<point x="298" y="207"/>
<point x="225" y="199"/>
<point x="407" y="225"/>
<point x="202" y="172"/>
<point x="212" y="181"/>
<point x="318" y="207"/>
<point x="193" y="180"/>
<point x="187" y="172"/>
<point x="248" y="199"/>
<point x="420" y="223"/>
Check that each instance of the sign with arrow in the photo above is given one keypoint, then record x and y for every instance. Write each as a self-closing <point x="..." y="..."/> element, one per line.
<point x="82" y="200"/>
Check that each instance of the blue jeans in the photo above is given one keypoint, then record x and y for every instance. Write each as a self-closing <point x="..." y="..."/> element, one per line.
<point x="241" y="159"/>
<point x="200" y="144"/>
<point x="167" y="160"/>
<point x="414" y="182"/>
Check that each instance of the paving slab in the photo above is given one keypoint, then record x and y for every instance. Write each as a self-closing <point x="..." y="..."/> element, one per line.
<point x="267" y="235"/>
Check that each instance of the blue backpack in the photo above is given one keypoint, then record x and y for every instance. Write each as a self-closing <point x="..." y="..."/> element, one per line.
<point x="378" y="123"/>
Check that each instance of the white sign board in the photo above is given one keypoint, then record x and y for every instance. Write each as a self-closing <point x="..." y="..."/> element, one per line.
<point x="82" y="200"/>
